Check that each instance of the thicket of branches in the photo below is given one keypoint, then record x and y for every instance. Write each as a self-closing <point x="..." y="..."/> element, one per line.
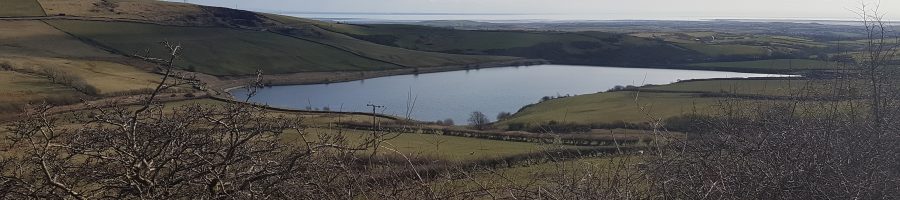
<point x="803" y="149"/>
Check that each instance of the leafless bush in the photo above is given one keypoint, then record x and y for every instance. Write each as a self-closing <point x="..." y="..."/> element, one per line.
<point x="782" y="154"/>
<point x="478" y="120"/>
<point x="105" y="5"/>
<point x="5" y="66"/>
<point x="66" y="78"/>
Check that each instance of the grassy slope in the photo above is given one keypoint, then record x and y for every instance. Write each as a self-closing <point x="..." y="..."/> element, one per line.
<point x="166" y="12"/>
<point x="612" y="107"/>
<point x="591" y="48"/>
<point x="223" y="51"/>
<point x="744" y="87"/>
<point x="663" y="101"/>
<point x="797" y="64"/>
<point x="726" y="49"/>
<point x="306" y="48"/>
<point x="451" y="148"/>
<point x="108" y="77"/>
<point x="306" y="29"/>
<point x="20" y="8"/>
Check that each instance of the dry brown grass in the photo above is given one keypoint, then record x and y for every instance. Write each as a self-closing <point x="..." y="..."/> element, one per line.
<point x="159" y="11"/>
<point x="107" y="77"/>
<point x="17" y="89"/>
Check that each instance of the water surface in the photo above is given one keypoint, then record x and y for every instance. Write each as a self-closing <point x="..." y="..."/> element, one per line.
<point x="456" y="94"/>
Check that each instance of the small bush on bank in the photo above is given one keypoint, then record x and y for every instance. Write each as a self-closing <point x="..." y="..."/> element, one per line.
<point x="5" y="66"/>
<point x="689" y="123"/>
<point x="62" y="77"/>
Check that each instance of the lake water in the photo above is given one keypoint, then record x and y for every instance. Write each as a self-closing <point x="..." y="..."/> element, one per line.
<point x="458" y="93"/>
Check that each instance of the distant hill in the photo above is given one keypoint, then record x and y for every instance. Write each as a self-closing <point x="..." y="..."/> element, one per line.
<point x="587" y="48"/>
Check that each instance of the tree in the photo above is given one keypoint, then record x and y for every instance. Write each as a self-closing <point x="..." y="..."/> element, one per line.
<point x="503" y="116"/>
<point x="448" y="122"/>
<point x="478" y="120"/>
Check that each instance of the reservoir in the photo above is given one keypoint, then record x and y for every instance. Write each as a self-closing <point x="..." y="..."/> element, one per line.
<point x="456" y="94"/>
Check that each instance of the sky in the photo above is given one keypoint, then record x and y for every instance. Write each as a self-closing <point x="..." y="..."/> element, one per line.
<point x="596" y="9"/>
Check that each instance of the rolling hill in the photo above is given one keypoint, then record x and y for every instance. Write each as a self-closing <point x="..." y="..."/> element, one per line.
<point x="585" y="48"/>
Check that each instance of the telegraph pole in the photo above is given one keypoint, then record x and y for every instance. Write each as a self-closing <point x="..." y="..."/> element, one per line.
<point x="374" y="116"/>
<point x="376" y="140"/>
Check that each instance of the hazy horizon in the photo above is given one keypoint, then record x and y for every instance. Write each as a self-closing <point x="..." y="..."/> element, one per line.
<point x="571" y="9"/>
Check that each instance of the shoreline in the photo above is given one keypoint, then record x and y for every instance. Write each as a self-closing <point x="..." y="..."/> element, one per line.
<point x="228" y="83"/>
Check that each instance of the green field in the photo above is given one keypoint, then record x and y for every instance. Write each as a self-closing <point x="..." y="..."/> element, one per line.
<point x="611" y="107"/>
<point x="777" y="64"/>
<point x="20" y="8"/>
<point x="222" y="51"/>
<point x="664" y="101"/>
<point x="743" y="87"/>
<point x="450" y="148"/>
<point x="588" y="48"/>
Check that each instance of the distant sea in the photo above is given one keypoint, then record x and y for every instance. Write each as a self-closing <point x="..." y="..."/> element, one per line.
<point x="359" y="17"/>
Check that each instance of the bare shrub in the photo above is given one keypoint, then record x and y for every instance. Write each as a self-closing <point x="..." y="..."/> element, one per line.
<point x="503" y="116"/>
<point x="798" y="149"/>
<point x="5" y="66"/>
<point x="782" y="154"/>
<point x="66" y="78"/>
<point x="478" y="120"/>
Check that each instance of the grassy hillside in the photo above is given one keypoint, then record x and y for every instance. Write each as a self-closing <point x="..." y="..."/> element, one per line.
<point x="716" y="50"/>
<point x="108" y="78"/>
<point x="663" y="101"/>
<point x="777" y="64"/>
<point x="222" y="51"/>
<point x="589" y="48"/>
<point x="437" y="146"/>
<point x="742" y="87"/>
<point x="305" y="29"/>
<point x="612" y="107"/>
<point x="162" y="12"/>
<point x="20" y="8"/>
<point x="734" y="45"/>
